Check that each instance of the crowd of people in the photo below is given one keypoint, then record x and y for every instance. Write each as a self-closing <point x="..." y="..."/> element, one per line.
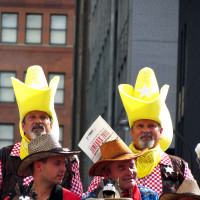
<point x="39" y="168"/>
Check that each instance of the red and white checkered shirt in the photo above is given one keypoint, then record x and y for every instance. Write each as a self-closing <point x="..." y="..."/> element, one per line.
<point x="153" y="180"/>
<point x="77" y="186"/>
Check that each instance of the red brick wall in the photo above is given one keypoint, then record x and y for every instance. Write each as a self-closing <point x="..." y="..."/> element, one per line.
<point x="53" y="59"/>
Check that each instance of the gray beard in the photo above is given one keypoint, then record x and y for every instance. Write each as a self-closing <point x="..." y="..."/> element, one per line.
<point x="37" y="132"/>
<point x="146" y="143"/>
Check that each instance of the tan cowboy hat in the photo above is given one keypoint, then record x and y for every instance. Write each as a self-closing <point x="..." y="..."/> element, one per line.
<point x="111" y="151"/>
<point x="145" y="101"/>
<point x="189" y="188"/>
<point x="43" y="146"/>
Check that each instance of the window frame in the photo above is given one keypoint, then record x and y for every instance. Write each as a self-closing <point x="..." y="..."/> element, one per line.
<point x="13" y="134"/>
<point x="52" y="29"/>
<point x="11" y="28"/>
<point x="41" y="29"/>
<point x="11" y="87"/>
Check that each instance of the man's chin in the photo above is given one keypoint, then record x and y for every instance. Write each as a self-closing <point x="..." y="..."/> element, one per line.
<point x="146" y="144"/>
<point x="127" y="186"/>
<point x="36" y="133"/>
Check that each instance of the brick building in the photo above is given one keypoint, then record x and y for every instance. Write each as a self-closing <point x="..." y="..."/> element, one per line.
<point x="35" y="32"/>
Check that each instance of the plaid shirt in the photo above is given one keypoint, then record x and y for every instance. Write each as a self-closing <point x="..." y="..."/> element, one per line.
<point x="76" y="180"/>
<point x="146" y="194"/>
<point x="152" y="181"/>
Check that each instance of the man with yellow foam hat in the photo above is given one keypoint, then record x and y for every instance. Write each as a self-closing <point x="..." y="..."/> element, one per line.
<point x="35" y="101"/>
<point x="151" y="127"/>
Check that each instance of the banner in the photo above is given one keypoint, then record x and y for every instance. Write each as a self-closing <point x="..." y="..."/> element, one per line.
<point x="98" y="133"/>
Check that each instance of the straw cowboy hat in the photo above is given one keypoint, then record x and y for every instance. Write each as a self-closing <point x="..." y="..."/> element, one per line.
<point x="35" y="94"/>
<point x="43" y="146"/>
<point x="111" y="151"/>
<point x="146" y="102"/>
<point x="189" y="188"/>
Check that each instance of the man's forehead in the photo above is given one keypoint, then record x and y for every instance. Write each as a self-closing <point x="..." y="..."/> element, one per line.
<point x="145" y="121"/>
<point x="59" y="157"/>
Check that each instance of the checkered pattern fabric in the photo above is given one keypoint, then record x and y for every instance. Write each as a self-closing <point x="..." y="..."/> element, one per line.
<point x="16" y="149"/>
<point x="76" y="181"/>
<point x="94" y="184"/>
<point x="77" y="186"/>
<point x="152" y="181"/>
<point x="27" y="180"/>
<point x="188" y="174"/>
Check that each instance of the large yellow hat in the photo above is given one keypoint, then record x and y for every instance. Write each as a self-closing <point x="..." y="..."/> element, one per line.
<point x="35" y="94"/>
<point x="146" y="102"/>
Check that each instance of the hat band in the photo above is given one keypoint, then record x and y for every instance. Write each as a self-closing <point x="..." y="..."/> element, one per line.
<point x="54" y="150"/>
<point x="119" y="154"/>
<point x="58" y="149"/>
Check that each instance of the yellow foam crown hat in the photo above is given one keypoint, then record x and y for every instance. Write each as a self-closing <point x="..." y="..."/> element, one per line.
<point x="35" y="94"/>
<point x="146" y="102"/>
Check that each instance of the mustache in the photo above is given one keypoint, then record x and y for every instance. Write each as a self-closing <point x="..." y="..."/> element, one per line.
<point x="37" y="125"/>
<point x="149" y="134"/>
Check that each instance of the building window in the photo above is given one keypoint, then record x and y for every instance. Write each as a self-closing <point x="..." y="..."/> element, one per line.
<point x="58" y="29"/>
<point x="61" y="131"/>
<point x="6" y="134"/>
<point x="9" y="27"/>
<point x="59" y="97"/>
<point x="34" y="28"/>
<point x="6" y="89"/>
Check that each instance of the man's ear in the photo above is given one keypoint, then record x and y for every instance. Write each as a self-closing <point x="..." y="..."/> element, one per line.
<point x="23" y="125"/>
<point x="37" y="165"/>
<point x="161" y="131"/>
<point x="132" y="131"/>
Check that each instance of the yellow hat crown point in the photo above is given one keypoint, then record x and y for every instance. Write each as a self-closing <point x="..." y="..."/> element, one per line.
<point x="146" y="87"/>
<point x="35" y="77"/>
<point x="146" y="102"/>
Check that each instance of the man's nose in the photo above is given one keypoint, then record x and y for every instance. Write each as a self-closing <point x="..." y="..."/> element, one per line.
<point x="130" y="171"/>
<point x="38" y="120"/>
<point x="146" y="129"/>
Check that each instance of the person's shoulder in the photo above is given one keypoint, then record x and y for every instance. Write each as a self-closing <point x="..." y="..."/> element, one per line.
<point x="176" y="158"/>
<point x="145" y="191"/>
<point x="69" y="195"/>
<point x="7" y="149"/>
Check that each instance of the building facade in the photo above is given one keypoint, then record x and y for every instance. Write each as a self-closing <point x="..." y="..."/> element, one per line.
<point x="123" y="37"/>
<point x="35" y="32"/>
<point x="188" y="83"/>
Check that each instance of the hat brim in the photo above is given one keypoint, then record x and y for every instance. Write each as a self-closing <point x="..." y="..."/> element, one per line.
<point x="169" y="196"/>
<point x="97" y="168"/>
<point x="24" y="167"/>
